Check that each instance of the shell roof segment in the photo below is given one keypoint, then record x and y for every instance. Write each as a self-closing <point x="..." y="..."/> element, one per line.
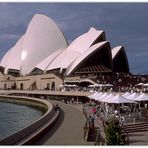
<point x="45" y="63"/>
<point x="115" y="51"/>
<point x="83" y="56"/>
<point x="84" y="41"/>
<point x="42" y="38"/>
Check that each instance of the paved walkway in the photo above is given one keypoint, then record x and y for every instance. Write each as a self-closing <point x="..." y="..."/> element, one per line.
<point x="138" y="138"/>
<point x="69" y="128"/>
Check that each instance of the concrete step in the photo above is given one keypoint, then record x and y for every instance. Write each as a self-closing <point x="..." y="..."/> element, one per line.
<point x="138" y="127"/>
<point x="136" y="124"/>
<point x="135" y="130"/>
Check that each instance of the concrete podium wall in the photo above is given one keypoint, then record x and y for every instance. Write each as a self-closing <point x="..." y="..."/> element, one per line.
<point x="30" y="132"/>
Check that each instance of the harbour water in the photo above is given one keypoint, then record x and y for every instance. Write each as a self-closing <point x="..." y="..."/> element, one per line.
<point x="14" y="117"/>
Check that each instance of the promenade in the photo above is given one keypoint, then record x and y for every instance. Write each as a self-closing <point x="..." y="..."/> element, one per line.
<point x="47" y="92"/>
<point x="69" y="128"/>
<point x="138" y="138"/>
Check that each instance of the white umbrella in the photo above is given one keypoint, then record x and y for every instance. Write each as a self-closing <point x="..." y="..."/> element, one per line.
<point x="96" y="85"/>
<point x="101" y="85"/>
<point x="108" y="85"/>
<point x="142" y="97"/>
<point x="99" y="94"/>
<point x="66" y="85"/>
<point x="133" y="96"/>
<point x="110" y="96"/>
<point x="93" y="95"/>
<point x="140" y="84"/>
<point x="74" y="85"/>
<point x="146" y="84"/>
<point x="91" y="85"/>
<point x="126" y="94"/>
<point x="100" y="98"/>
<point x="119" y="99"/>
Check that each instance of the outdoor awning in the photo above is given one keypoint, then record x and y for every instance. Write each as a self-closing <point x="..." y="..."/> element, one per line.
<point x="119" y="99"/>
<point x="140" y="84"/>
<point x="126" y="94"/>
<point x="93" y="95"/>
<point x="133" y="96"/>
<point x="142" y="97"/>
<point x="100" y="98"/>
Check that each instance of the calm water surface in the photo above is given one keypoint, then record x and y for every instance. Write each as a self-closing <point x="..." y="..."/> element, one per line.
<point x="14" y="117"/>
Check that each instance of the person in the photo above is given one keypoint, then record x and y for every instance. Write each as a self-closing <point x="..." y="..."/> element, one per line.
<point x="56" y="107"/>
<point x="72" y="100"/>
<point x="122" y="120"/>
<point x="90" y="121"/>
<point x="145" y="105"/>
<point x="94" y="110"/>
<point x="116" y="112"/>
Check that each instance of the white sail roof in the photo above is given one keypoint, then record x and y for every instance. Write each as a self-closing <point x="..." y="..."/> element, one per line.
<point x="42" y="38"/>
<point x="45" y="63"/>
<point x="75" y="49"/>
<point x="12" y="59"/>
<point x="115" y="51"/>
<point x="5" y="58"/>
<point x="84" y="55"/>
<point x="84" y="41"/>
<point x="15" y="56"/>
<point x="80" y="45"/>
<point x="56" y="63"/>
<point x="70" y="56"/>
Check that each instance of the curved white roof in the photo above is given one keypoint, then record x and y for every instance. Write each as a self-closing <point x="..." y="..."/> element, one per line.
<point x="70" y="56"/>
<point x="84" y="55"/>
<point x="42" y="38"/>
<point x="84" y="41"/>
<point x="56" y="63"/>
<point x="75" y="49"/>
<point x="115" y="51"/>
<point x="45" y="63"/>
<point x="15" y="55"/>
<point x="80" y="45"/>
<point x="12" y="59"/>
<point x="5" y="58"/>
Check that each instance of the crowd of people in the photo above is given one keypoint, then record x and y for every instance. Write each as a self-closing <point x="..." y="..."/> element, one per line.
<point x="103" y="111"/>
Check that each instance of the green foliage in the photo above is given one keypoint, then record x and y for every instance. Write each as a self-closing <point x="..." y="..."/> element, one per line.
<point x="113" y="133"/>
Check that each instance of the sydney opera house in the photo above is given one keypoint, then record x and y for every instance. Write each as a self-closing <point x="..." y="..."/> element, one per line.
<point x="42" y="57"/>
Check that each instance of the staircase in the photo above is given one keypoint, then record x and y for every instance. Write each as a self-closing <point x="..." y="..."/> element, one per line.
<point x="135" y="127"/>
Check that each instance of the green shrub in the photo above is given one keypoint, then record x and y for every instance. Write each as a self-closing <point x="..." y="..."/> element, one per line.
<point x="113" y="133"/>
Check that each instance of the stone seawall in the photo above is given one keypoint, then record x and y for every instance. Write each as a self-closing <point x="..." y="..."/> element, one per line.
<point x="29" y="134"/>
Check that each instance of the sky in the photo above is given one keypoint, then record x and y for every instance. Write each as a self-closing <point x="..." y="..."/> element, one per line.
<point x="124" y="24"/>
